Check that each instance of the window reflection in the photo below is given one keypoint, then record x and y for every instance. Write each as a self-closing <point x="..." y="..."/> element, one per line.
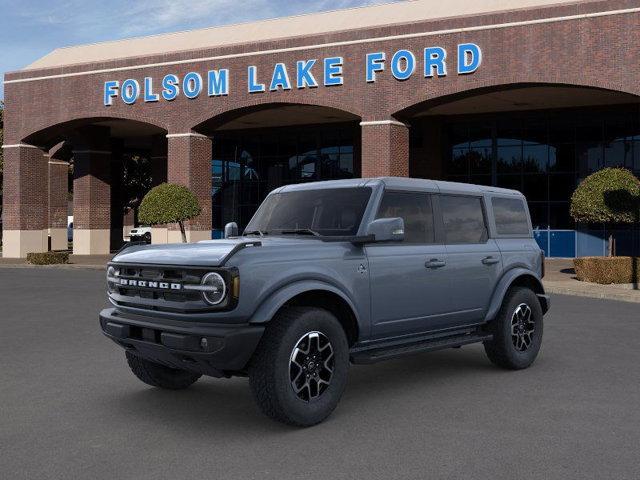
<point x="543" y="154"/>
<point x="249" y="164"/>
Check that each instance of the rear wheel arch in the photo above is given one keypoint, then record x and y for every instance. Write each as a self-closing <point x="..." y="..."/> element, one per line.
<point x="528" y="281"/>
<point x="515" y="278"/>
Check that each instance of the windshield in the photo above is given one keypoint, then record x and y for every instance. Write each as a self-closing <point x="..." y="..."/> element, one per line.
<point x="325" y="212"/>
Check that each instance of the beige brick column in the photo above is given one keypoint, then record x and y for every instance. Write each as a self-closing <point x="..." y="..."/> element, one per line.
<point x="91" y="202"/>
<point x="385" y="149"/>
<point x="92" y="191"/>
<point x="58" y="191"/>
<point x="25" y="211"/>
<point x="189" y="164"/>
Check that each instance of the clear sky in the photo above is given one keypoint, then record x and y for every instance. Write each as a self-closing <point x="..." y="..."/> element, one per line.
<point x="30" y="29"/>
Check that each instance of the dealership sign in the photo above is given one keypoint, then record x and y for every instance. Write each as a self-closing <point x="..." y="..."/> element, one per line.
<point x="309" y="73"/>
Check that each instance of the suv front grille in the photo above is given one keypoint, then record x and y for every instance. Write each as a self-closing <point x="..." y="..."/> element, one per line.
<point x="151" y="288"/>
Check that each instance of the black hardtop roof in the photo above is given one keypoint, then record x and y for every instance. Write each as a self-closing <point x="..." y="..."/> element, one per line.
<point x="403" y="183"/>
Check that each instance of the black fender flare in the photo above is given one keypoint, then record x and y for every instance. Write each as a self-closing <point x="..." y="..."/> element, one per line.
<point x="270" y="306"/>
<point x="507" y="280"/>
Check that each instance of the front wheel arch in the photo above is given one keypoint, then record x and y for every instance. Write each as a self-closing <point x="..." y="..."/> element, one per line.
<point x="312" y="294"/>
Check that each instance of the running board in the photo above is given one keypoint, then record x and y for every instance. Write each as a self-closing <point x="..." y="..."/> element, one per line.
<point x="379" y="354"/>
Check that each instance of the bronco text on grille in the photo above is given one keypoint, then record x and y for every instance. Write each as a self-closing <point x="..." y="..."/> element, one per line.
<point x="178" y="290"/>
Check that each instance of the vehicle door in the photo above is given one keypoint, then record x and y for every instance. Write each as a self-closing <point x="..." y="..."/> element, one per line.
<point x="474" y="262"/>
<point x="408" y="286"/>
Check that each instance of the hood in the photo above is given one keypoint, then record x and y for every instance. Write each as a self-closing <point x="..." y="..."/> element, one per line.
<point x="209" y="253"/>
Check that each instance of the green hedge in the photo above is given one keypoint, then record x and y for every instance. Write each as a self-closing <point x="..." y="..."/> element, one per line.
<point x="607" y="270"/>
<point x="48" y="258"/>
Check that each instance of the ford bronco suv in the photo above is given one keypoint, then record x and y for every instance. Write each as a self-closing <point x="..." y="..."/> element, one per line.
<point x="330" y="273"/>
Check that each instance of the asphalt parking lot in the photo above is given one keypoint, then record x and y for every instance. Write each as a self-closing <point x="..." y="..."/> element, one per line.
<point x="70" y="408"/>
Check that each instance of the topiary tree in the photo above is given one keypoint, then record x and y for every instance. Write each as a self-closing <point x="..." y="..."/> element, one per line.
<point x="169" y="203"/>
<point x="611" y="195"/>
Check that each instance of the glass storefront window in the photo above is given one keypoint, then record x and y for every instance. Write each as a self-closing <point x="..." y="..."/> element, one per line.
<point x="535" y="187"/>
<point x="459" y="164"/>
<point x="248" y="164"/>
<point x="480" y="160"/>
<point x="513" y="182"/>
<point x="510" y="159"/>
<point x="539" y="212"/>
<point x="589" y="157"/>
<point x="544" y="154"/>
<point x="636" y="156"/>
<point x="535" y="158"/>
<point x="559" y="218"/>
<point x="618" y="154"/>
<point x="562" y="157"/>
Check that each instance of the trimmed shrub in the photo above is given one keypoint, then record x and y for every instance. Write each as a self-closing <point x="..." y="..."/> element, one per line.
<point x="169" y="203"/>
<point x="607" y="270"/>
<point x="610" y="195"/>
<point x="48" y="258"/>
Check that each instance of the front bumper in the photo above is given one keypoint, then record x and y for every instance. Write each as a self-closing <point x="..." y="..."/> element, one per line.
<point x="209" y="349"/>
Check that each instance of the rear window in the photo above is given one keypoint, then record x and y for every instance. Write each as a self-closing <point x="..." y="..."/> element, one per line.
<point x="511" y="216"/>
<point x="463" y="219"/>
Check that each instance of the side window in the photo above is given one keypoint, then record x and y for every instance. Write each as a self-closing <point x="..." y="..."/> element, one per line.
<point x="415" y="209"/>
<point x="463" y="219"/>
<point x="510" y="215"/>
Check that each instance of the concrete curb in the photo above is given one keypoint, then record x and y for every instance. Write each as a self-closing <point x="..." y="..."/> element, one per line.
<point x="67" y="266"/>
<point x="592" y="291"/>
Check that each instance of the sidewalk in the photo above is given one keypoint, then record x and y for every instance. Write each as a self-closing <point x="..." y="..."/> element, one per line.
<point x="560" y="278"/>
<point x="92" y="262"/>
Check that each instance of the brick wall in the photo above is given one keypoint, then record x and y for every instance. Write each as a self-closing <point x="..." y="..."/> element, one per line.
<point x="600" y="52"/>
<point x="385" y="150"/>
<point x="189" y="164"/>
<point x="25" y="189"/>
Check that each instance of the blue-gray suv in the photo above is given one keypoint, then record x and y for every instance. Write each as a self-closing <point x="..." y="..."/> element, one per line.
<point x="332" y="273"/>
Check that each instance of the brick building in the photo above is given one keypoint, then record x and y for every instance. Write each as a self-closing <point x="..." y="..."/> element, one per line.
<point x="527" y="94"/>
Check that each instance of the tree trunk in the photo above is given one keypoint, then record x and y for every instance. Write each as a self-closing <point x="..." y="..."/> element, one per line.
<point x="610" y="249"/>
<point x="184" y="235"/>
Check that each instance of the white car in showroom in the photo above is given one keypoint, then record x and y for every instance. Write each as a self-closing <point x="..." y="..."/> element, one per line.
<point x="140" y="234"/>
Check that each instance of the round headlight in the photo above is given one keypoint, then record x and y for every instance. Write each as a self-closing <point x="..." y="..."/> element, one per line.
<point x="111" y="273"/>
<point x="216" y="288"/>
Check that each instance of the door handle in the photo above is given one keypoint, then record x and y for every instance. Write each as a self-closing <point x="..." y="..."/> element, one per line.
<point x="490" y="260"/>
<point x="435" y="263"/>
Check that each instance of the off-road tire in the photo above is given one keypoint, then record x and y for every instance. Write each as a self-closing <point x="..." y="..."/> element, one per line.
<point x="158" y="375"/>
<point x="501" y="350"/>
<point x="269" y="368"/>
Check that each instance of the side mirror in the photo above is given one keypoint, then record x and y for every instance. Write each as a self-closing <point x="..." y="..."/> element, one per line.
<point x="231" y="230"/>
<point x="386" y="230"/>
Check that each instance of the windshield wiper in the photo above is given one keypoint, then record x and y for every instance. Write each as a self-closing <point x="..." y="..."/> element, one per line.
<point x="256" y="232"/>
<point x="300" y="231"/>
